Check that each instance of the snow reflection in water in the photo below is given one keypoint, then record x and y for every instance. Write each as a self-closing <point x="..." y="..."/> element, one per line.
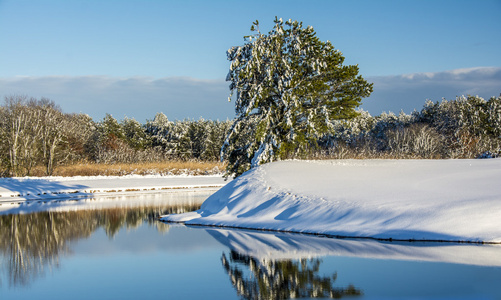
<point x="113" y="247"/>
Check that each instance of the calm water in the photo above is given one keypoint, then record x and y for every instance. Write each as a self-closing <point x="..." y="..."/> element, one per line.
<point x="114" y="248"/>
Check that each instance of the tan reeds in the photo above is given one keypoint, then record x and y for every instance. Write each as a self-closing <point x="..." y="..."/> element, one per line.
<point x="175" y="167"/>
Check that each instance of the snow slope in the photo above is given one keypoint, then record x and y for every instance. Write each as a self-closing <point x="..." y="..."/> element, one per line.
<point x="450" y="200"/>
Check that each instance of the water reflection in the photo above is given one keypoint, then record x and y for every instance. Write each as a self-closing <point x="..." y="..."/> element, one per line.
<point x="281" y="279"/>
<point x="33" y="243"/>
<point x="277" y="266"/>
<point x="266" y="246"/>
<point x="264" y="265"/>
<point x="121" y="255"/>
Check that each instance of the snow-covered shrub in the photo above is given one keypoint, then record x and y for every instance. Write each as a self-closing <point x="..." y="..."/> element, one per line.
<point x="385" y="124"/>
<point x="415" y="141"/>
<point x="470" y="125"/>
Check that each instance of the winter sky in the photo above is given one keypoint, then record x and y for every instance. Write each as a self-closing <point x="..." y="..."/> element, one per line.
<point x="135" y="58"/>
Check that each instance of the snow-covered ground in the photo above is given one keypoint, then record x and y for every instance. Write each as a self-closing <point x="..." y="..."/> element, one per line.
<point x="166" y="198"/>
<point x="34" y="188"/>
<point x="449" y="200"/>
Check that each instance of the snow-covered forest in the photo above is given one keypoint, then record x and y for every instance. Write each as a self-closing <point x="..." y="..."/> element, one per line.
<point x="35" y="132"/>
<point x="466" y="127"/>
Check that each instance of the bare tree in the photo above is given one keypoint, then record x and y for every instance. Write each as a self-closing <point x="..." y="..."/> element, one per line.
<point x="14" y="123"/>
<point x="35" y="132"/>
<point x="53" y="123"/>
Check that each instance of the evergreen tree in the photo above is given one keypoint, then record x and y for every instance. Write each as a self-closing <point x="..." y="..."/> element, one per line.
<point x="291" y="85"/>
<point x="215" y="132"/>
<point x="159" y="130"/>
<point x="191" y="139"/>
<point x="134" y="134"/>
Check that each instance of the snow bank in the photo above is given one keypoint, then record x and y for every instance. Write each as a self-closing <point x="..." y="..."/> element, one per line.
<point x="30" y="188"/>
<point x="172" y="198"/>
<point x="449" y="200"/>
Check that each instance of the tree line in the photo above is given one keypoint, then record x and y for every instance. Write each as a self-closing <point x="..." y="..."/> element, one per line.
<point x="35" y="132"/>
<point x="466" y="127"/>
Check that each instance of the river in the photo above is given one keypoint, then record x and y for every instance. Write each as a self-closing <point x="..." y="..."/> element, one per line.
<point x="115" y="248"/>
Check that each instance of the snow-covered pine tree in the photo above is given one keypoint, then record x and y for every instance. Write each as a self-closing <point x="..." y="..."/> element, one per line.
<point x="215" y="133"/>
<point x="159" y="130"/>
<point x="291" y="86"/>
<point x="134" y="134"/>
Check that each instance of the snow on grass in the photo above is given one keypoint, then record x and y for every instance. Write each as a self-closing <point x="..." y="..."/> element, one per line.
<point x="442" y="200"/>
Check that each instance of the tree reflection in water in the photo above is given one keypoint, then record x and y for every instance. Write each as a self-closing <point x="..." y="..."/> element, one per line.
<point x="281" y="279"/>
<point x="32" y="243"/>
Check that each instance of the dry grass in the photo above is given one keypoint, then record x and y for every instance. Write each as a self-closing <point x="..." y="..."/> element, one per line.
<point x="154" y="168"/>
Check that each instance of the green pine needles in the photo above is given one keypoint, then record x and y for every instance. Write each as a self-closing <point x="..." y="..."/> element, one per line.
<point x="290" y="86"/>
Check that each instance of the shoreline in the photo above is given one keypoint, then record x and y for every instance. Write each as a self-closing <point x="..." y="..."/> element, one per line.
<point x="21" y="189"/>
<point x="453" y="201"/>
<point x="333" y="236"/>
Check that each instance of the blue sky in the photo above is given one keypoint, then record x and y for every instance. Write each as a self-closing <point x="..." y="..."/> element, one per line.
<point x="137" y="58"/>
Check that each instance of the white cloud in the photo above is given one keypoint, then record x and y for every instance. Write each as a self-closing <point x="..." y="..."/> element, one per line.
<point x="410" y="91"/>
<point x="135" y="97"/>
<point x="179" y="97"/>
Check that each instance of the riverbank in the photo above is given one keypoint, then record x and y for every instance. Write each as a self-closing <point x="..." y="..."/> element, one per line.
<point x="32" y="188"/>
<point x="417" y="200"/>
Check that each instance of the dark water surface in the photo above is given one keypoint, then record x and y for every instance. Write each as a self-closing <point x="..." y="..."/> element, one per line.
<point x="114" y="248"/>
